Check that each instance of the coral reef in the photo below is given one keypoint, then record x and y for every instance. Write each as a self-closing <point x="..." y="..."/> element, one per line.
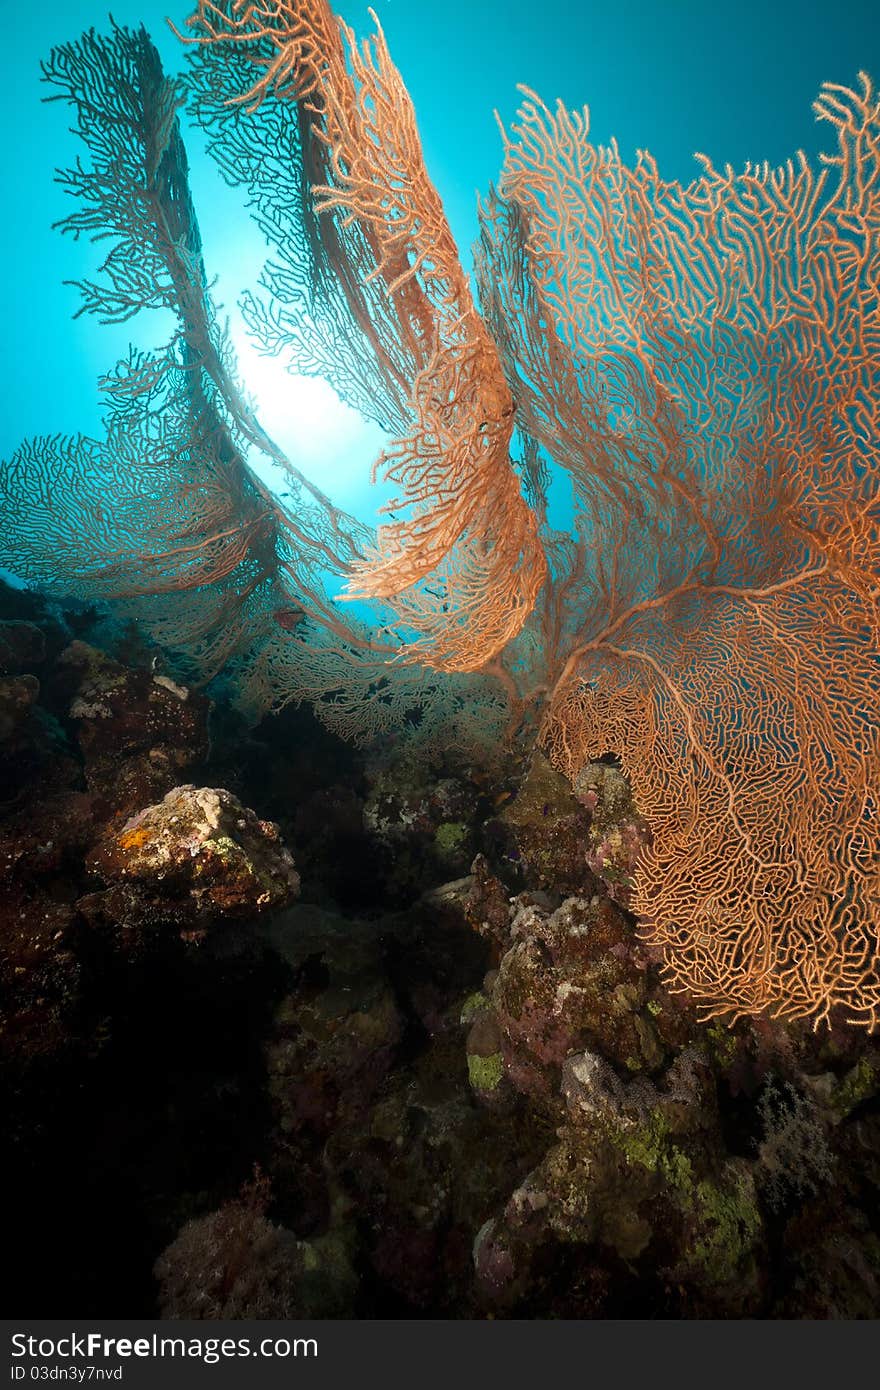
<point x="234" y="1263"/>
<point x="138" y="732"/>
<point x="541" y="832"/>
<point x="562" y="1000"/>
<point x="421" y="819"/>
<point x="197" y="857"/>
<point x="473" y="1097"/>
<point x="675" y="355"/>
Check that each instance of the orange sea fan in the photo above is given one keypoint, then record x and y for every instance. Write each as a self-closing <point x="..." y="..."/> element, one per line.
<point x="701" y="363"/>
<point x="715" y="354"/>
<point x="386" y="237"/>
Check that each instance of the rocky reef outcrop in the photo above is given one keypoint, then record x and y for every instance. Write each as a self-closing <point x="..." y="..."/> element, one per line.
<point x="346" y="1037"/>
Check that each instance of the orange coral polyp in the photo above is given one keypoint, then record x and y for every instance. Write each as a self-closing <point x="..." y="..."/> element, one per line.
<point x="135" y="838"/>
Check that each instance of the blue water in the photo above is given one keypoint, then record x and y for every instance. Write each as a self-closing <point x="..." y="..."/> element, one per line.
<point x="734" y="81"/>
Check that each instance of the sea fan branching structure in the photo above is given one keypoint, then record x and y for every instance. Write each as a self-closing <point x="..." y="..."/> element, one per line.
<point x="170" y="515"/>
<point x="699" y="366"/>
<point x="704" y="362"/>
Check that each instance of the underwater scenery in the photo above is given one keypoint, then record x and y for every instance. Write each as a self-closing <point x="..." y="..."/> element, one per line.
<point x="440" y="661"/>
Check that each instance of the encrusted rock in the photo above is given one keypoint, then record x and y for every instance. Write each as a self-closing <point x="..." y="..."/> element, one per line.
<point x="487" y="905"/>
<point x="542" y="834"/>
<point x="638" y="1169"/>
<point x="235" y="1263"/>
<point x="617" y="833"/>
<point x="423" y="823"/>
<point x="139" y="733"/>
<point x="486" y="1070"/>
<point x="572" y="979"/>
<point x="200" y="849"/>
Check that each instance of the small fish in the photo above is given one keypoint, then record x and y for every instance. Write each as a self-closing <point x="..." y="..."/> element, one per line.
<point x="288" y="618"/>
<point x="500" y="799"/>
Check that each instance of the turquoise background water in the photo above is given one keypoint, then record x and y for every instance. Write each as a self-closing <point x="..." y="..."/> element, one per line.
<point x="734" y="81"/>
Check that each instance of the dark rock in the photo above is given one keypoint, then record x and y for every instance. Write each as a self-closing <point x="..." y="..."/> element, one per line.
<point x="18" y="696"/>
<point x="334" y="1036"/>
<point x="139" y="733"/>
<point x="541" y="838"/>
<point x="22" y="648"/>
